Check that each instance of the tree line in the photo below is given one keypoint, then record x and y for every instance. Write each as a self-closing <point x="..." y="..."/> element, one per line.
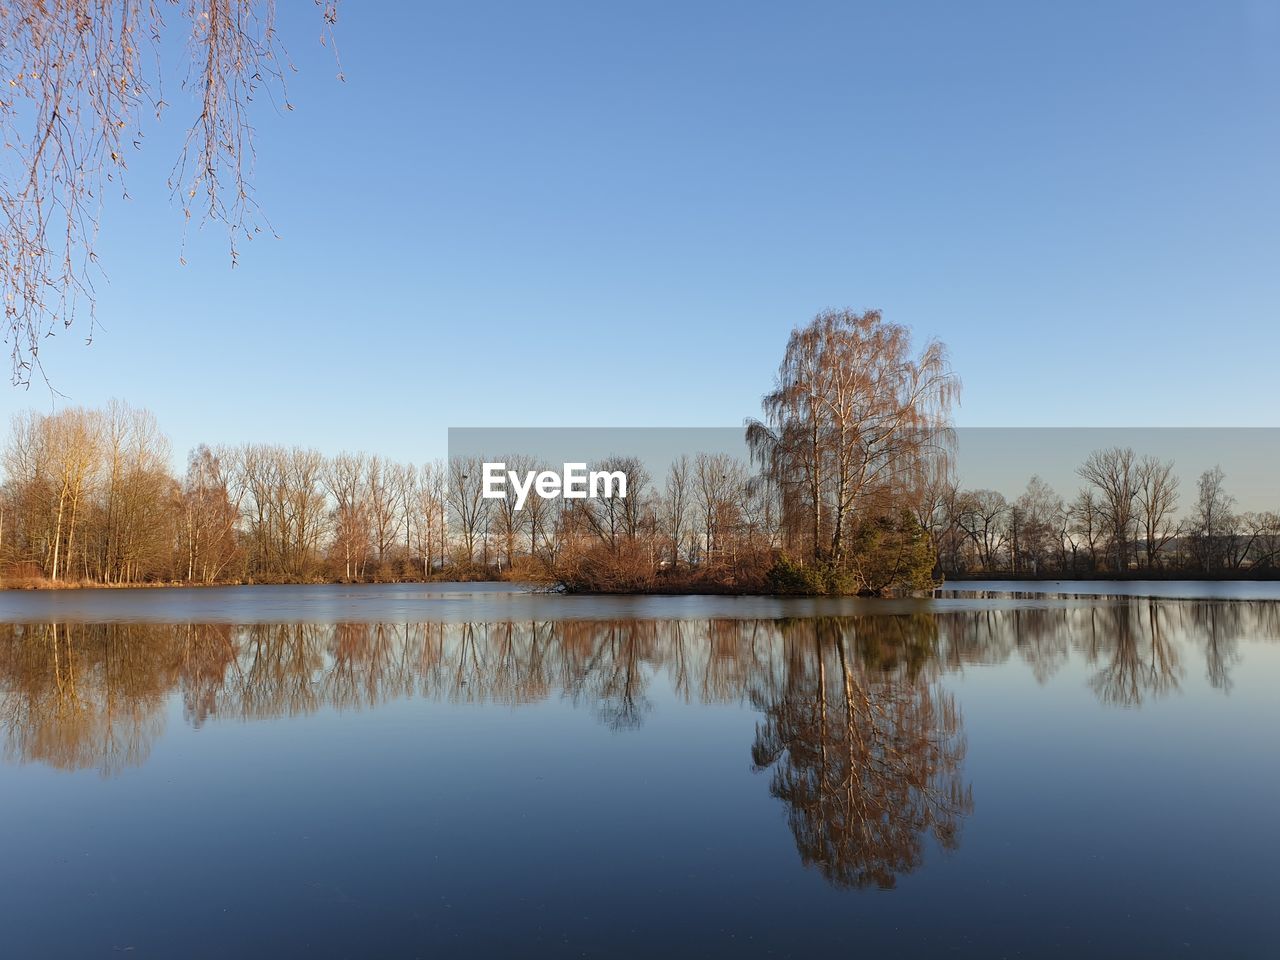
<point x="1124" y="520"/>
<point x="89" y="497"/>
<point x="847" y="487"/>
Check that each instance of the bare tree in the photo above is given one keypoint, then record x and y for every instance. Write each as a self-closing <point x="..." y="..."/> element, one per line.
<point x="430" y="523"/>
<point x="511" y="522"/>
<point x="208" y="543"/>
<point x="1113" y="472"/>
<point x="52" y="461"/>
<point x="983" y="515"/>
<point x="284" y="509"/>
<point x="933" y="503"/>
<point x="1085" y="527"/>
<point x="381" y="490"/>
<point x="616" y="519"/>
<point x="676" y="507"/>
<point x="345" y="479"/>
<point x="852" y="415"/>
<point x="719" y="482"/>
<point x="79" y="75"/>
<point x="132" y="534"/>
<point x="1213" y="523"/>
<point x="1039" y="510"/>
<point x="541" y="517"/>
<point x="1259" y="538"/>
<point x="468" y="508"/>
<point x="406" y="482"/>
<point x="1157" y="500"/>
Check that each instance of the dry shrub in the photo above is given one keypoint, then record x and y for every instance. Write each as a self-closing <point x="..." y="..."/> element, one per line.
<point x="628" y="567"/>
<point x="526" y="569"/>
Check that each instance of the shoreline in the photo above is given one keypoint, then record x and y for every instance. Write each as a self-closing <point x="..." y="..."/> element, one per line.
<point x="1152" y="576"/>
<point x="675" y="590"/>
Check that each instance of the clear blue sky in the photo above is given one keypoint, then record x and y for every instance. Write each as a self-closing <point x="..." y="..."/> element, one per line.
<point x="598" y="214"/>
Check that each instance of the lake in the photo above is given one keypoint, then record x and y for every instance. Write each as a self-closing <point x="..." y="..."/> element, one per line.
<point x="1004" y="770"/>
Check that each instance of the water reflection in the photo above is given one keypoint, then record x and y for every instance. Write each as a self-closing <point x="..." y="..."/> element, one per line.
<point x="858" y="737"/>
<point x="1139" y="648"/>
<point x="79" y="697"/>
<point x="866" y="752"/>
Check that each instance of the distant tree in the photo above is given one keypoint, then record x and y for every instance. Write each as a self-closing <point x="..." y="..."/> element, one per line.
<point x="53" y="462"/>
<point x="131" y="535"/>
<point x="1156" y="496"/>
<point x="382" y="490"/>
<point x="983" y="515"/>
<point x="284" y="508"/>
<point x="719" y="487"/>
<point x="637" y="507"/>
<point x="1085" y="527"/>
<point x="209" y="516"/>
<point x="430" y="526"/>
<point x="1259" y="538"/>
<point x="406" y="480"/>
<point x="1113" y="473"/>
<point x="345" y="478"/>
<point x="1213" y="522"/>
<point x="540" y="525"/>
<point x="677" y="507"/>
<point x="468" y="509"/>
<point x="509" y="521"/>
<point x="933" y="502"/>
<point x="613" y="520"/>
<point x="1039" y="513"/>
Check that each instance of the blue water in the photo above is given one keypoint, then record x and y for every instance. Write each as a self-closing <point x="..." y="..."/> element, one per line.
<point x="482" y="771"/>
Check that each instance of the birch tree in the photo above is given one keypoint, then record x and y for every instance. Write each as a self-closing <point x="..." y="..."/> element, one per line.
<point x="853" y="413"/>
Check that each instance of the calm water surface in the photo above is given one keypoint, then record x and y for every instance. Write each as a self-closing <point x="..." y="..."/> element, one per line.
<point x="474" y="770"/>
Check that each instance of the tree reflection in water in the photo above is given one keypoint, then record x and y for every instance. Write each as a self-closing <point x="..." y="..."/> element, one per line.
<point x="1137" y="658"/>
<point x="867" y="756"/>
<point x="77" y="697"/>
<point x="862" y="744"/>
